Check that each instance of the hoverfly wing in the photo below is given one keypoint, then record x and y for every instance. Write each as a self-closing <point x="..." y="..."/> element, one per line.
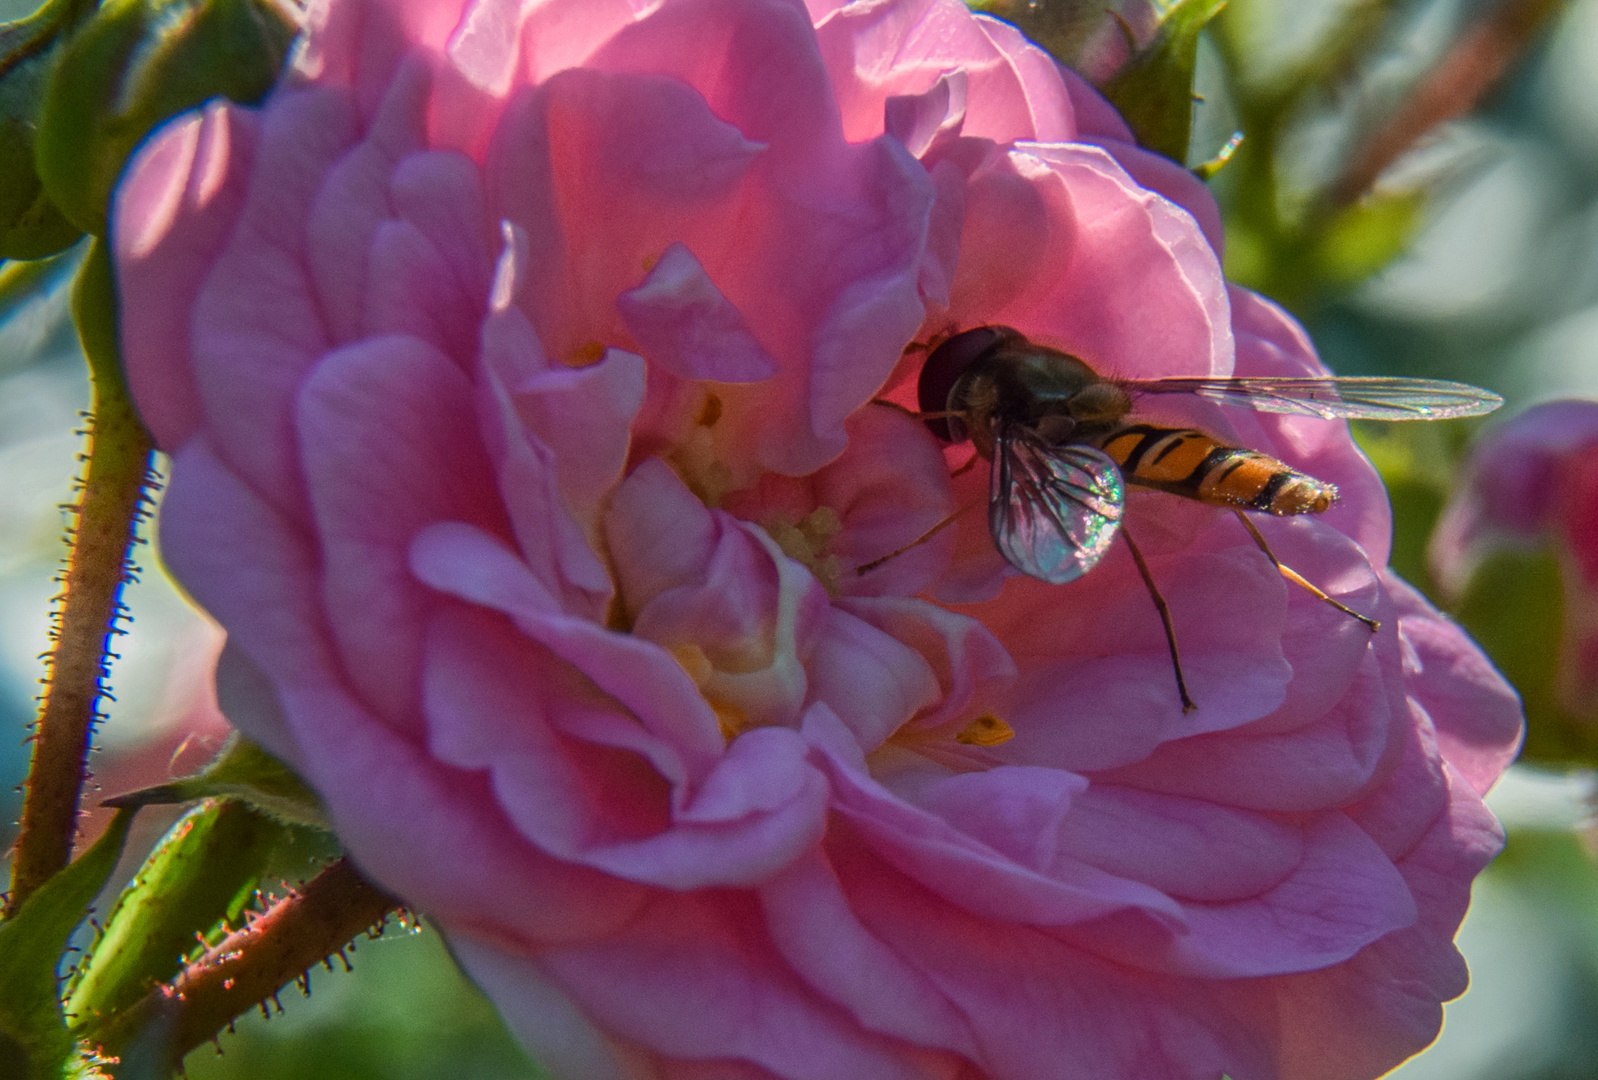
<point x="1053" y="510"/>
<point x="1337" y="398"/>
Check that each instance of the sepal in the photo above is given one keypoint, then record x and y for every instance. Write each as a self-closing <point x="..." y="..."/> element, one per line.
<point x="197" y="881"/>
<point x="31" y="227"/>
<point x="241" y="771"/>
<point x="32" y="942"/>
<point x="1154" y="91"/>
<point x="135" y="64"/>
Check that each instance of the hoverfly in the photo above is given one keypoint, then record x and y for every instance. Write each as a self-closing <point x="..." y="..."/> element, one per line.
<point x="1063" y="445"/>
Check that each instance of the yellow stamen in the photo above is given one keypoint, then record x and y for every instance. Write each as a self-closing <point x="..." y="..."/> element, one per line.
<point x="731" y="719"/>
<point x="589" y="352"/>
<point x="985" y="730"/>
<point x="806" y="542"/>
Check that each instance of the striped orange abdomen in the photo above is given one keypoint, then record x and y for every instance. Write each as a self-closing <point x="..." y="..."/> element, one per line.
<point x="1187" y="462"/>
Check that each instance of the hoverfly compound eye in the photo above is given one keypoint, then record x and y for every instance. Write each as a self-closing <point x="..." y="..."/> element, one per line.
<point x="944" y="367"/>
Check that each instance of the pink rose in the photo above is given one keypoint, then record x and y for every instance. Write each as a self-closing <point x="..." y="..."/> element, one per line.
<point x="1528" y="481"/>
<point x="515" y="363"/>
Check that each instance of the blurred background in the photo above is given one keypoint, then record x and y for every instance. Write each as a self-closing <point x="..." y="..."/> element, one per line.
<point x="1474" y="257"/>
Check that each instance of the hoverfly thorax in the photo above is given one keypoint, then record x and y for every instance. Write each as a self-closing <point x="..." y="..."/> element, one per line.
<point x="993" y="376"/>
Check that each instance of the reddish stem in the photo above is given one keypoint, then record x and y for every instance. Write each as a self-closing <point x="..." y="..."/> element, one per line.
<point x="1472" y="67"/>
<point x="251" y="965"/>
<point x="107" y="513"/>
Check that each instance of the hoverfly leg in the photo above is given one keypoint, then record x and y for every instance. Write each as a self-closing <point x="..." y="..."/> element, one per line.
<point x="912" y="414"/>
<point x="1298" y="579"/>
<point x="866" y="568"/>
<point x="1165" y="619"/>
<point x="967" y="467"/>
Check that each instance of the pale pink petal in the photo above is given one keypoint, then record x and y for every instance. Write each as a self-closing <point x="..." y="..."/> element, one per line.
<point x="962" y="868"/>
<point x="556" y="544"/>
<point x="474" y="566"/>
<point x="1190" y="848"/>
<point x="410" y="290"/>
<point x="543" y="1015"/>
<point x="352" y="202"/>
<point x="968" y="662"/>
<point x="689" y="960"/>
<point x="1342" y="895"/>
<point x="1097" y="688"/>
<point x="257" y="324"/>
<point x="1476" y="713"/>
<point x="441" y="194"/>
<point x="684" y="323"/>
<point x="872" y="680"/>
<point x="1178" y="184"/>
<point x="1327" y="763"/>
<point x="1387" y="998"/>
<point x="814" y="928"/>
<point x="379" y="427"/>
<point x="1096" y="118"/>
<point x="173" y="213"/>
<point x="660" y="535"/>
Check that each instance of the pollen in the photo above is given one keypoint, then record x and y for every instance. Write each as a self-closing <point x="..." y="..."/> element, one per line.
<point x="589" y="352"/>
<point x="807" y="542"/>
<point x="731" y="719"/>
<point x="696" y="462"/>
<point x="985" y="730"/>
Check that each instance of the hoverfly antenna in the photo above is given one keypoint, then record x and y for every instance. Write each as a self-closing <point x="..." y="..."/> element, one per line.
<point x="945" y="365"/>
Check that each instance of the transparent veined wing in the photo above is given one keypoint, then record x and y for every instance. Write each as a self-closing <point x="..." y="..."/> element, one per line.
<point x="1053" y="510"/>
<point x="1334" y="398"/>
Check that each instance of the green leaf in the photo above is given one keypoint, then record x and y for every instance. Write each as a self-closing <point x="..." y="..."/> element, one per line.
<point x="1515" y="609"/>
<point x="1154" y="91"/>
<point x="31" y="945"/>
<point x="242" y="771"/>
<point x="136" y="64"/>
<point x="1419" y="464"/>
<point x="1363" y="238"/>
<point x="22" y="280"/>
<point x="30" y="225"/>
<point x="201" y="874"/>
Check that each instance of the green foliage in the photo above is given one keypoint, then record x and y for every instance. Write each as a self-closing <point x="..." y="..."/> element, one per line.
<point x="1514" y="604"/>
<point x="1515" y="609"/>
<point x="1419" y="464"/>
<point x="1061" y="27"/>
<point x="1154" y="91"/>
<point x="198" y="878"/>
<point x="31" y="945"/>
<point x="1359" y="240"/>
<point x="242" y="771"/>
<point x="135" y="64"/>
<point x="1302" y="247"/>
<point x="31" y="226"/>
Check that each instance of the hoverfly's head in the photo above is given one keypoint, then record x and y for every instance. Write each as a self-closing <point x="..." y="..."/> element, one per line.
<point x="944" y="367"/>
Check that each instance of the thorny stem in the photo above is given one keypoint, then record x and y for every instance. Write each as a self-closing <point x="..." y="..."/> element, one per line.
<point x="251" y="965"/>
<point x="1471" y="68"/>
<point x="107" y="513"/>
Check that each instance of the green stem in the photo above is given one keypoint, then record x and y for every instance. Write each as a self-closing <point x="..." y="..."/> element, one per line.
<point x="107" y="513"/>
